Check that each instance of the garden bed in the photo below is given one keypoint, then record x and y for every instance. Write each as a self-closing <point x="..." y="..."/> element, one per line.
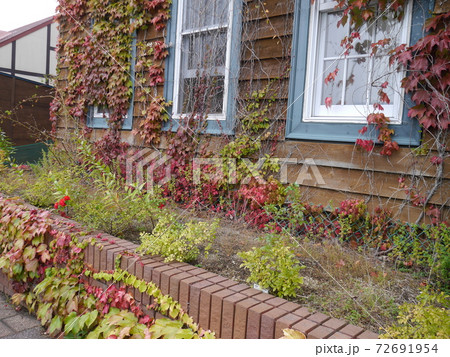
<point x="358" y="285"/>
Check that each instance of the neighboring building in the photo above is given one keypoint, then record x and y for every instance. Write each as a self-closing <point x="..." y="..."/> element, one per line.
<point x="29" y="51"/>
<point x="295" y="43"/>
<point x="27" y="65"/>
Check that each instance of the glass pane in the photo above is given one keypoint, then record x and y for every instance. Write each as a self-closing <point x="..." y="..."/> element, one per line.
<point x="357" y="81"/>
<point x="361" y="45"/>
<point x="203" y="95"/>
<point x="205" y="50"/>
<point x="332" y="89"/>
<point x="387" y="27"/>
<point x="333" y="34"/>
<point x="383" y="73"/>
<point x="201" y="13"/>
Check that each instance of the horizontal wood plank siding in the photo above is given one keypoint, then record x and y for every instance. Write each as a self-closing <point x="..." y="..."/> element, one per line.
<point x="349" y="172"/>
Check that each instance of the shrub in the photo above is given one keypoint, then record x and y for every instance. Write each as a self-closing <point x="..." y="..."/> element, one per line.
<point x="425" y="246"/>
<point x="6" y="148"/>
<point x="429" y="318"/>
<point x="274" y="266"/>
<point x="175" y="240"/>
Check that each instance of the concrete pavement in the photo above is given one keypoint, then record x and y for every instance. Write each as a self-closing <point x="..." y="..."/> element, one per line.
<point x="18" y="324"/>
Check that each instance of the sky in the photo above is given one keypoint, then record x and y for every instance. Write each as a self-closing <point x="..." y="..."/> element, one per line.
<point x="17" y="13"/>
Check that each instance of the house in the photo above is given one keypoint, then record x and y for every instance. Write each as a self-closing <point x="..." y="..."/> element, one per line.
<point x="289" y="53"/>
<point x="27" y="64"/>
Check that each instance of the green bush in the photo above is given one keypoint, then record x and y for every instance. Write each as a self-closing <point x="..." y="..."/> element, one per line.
<point x="274" y="266"/>
<point x="175" y="240"/>
<point x="429" y="318"/>
<point x="424" y="245"/>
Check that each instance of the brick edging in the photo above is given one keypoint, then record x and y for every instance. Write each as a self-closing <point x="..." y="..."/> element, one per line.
<point x="230" y="309"/>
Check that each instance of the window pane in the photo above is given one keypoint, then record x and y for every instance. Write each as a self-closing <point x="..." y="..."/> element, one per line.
<point x="205" y="50"/>
<point x="387" y="27"/>
<point x="361" y="45"/>
<point x="357" y="81"/>
<point x="332" y="89"/>
<point x="203" y="95"/>
<point x="383" y="73"/>
<point x="201" y="13"/>
<point x="333" y="34"/>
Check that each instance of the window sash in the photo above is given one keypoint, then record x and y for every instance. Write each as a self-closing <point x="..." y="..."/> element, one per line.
<point x="314" y="108"/>
<point x="182" y="73"/>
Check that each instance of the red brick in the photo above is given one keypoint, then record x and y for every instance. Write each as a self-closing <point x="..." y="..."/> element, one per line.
<point x="286" y="321"/>
<point x="96" y="261"/>
<point x="339" y="335"/>
<point x="289" y="306"/>
<point x="268" y="320"/>
<point x="139" y="272"/>
<point x="110" y="257"/>
<point x="250" y="292"/>
<point x="128" y="263"/>
<point x="105" y="253"/>
<point x="197" y="271"/>
<point x="238" y="288"/>
<point x="174" y="289"/>
<point x="305" y="326"/>
<point x="228" y="309"/>
<point x="149" y="267"/>
<point x="228" y="283"/>
<point x="187" y="268"/>
<point x="275" y="301"/>
<point x="205" y="305"/>
<point x="207" y="275"/>
<point x="178" y="265"/>
<point x="217" y="279"/>
<point x="352" y="330"/>
<point x="319" y="317"/>
<point x="194" y="298"/>
<point x="215" y="322"/>
<point x="130" y="247"/>
<point x="368" y="335"/>
<point x="320" y="332"/>
<point x="263" y="297"/>
<point x="185" y="287"/>
<point x="335" y="324"/>
<point x="156" y="274"/>
<point x="165" y="279"/>
<point x="254" y="319"/>
<point x="302" y="312"/>
<point x="240" y="317"/>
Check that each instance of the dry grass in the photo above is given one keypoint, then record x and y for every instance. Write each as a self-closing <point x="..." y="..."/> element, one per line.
<point x="338" y="281"/>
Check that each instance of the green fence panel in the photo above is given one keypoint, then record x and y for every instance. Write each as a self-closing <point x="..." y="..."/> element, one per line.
<point x="29" y="153"/>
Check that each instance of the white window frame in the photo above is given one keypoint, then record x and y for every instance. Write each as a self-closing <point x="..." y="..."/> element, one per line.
<point x="97" y="114"/>
<point x="178" y="53"/>
<point x="342" y="113"/>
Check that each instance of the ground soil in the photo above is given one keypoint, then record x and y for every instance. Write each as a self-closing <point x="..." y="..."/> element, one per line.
<point x="338" y="280"/>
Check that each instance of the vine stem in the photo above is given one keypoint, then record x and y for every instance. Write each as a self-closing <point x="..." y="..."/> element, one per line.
<point x="439" y="174"/>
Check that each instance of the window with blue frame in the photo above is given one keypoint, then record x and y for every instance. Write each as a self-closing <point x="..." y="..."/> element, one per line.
<point x="97" y="116"/>
<point x="359" y="74"/>
<point x="203" y="63"/>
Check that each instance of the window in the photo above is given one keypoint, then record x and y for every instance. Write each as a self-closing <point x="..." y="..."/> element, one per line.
<point x="359" y="75"/>
<point x="98" y="116"/>
<point x="202" y="67"/>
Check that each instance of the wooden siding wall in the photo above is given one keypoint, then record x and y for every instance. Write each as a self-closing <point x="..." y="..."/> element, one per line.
<point x="347" y="171"/>
<point x="32" y="114"/>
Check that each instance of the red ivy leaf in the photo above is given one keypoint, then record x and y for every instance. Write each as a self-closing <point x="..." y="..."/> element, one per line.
<point x="328" y="102"/>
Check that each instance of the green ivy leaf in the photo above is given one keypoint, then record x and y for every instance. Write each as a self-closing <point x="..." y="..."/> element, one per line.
<point x="55" y="325"/>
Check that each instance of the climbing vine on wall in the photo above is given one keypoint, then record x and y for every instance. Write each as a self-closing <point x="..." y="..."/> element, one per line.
<point x="95" y="49"/>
